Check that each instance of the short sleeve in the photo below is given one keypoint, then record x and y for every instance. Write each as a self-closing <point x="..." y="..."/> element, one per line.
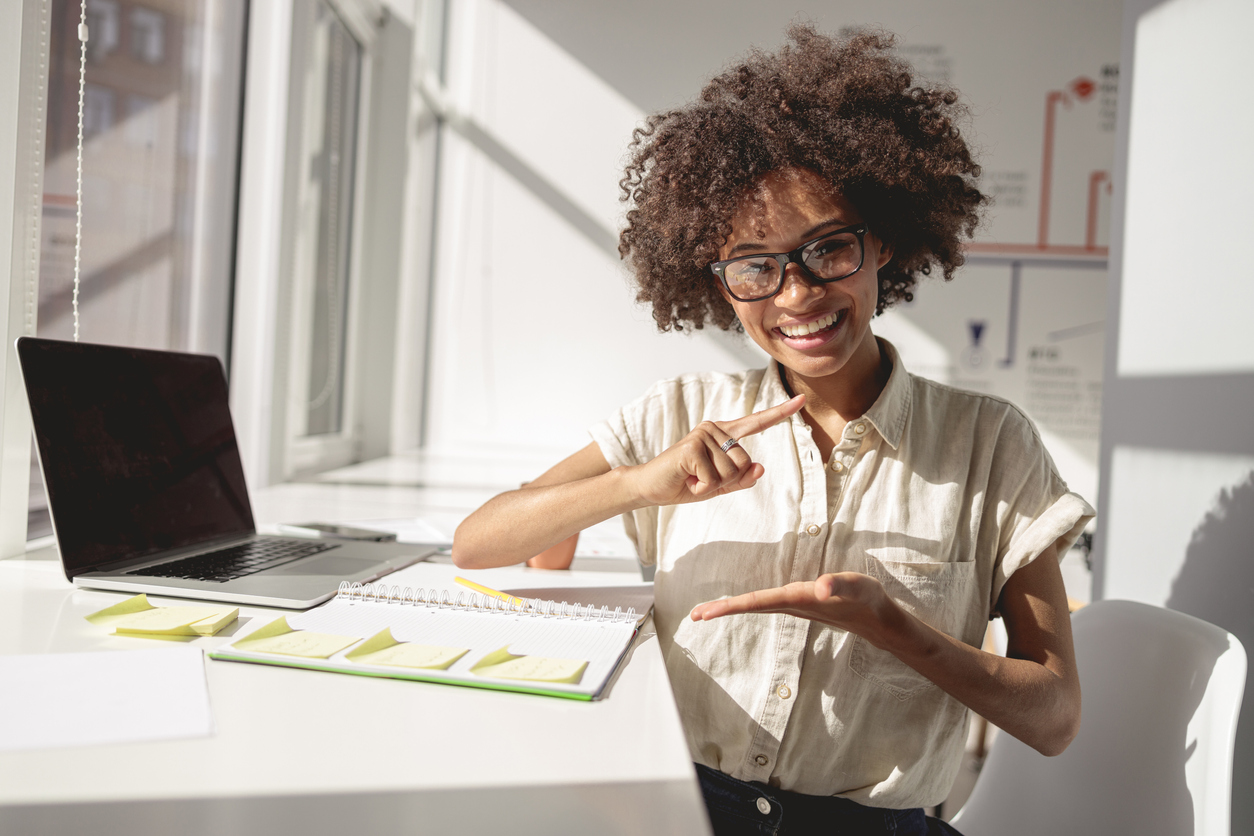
<point x="645" y="427"/>
<point x="636" y="434"/>
<point x="1033" y="505"/>
<point x="658" y="419"/>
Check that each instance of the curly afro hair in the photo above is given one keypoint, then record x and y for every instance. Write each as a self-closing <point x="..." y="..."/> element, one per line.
<point x="844" y="109"/>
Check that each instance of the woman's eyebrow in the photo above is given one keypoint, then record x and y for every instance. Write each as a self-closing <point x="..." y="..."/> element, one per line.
<point x="819" y="227"/>
<point x="758" y="246"/>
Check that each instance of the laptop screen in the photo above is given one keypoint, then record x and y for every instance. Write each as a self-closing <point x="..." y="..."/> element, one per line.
<point x="137" y="449"/>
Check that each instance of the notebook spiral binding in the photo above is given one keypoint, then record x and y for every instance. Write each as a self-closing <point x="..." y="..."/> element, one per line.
<point x="443" y="600"/>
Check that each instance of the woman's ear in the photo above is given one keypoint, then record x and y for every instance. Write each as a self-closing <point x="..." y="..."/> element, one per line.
<point x="886" y="252"/>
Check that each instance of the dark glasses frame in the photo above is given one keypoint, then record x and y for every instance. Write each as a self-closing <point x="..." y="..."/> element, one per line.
<point x="794" y="257"/>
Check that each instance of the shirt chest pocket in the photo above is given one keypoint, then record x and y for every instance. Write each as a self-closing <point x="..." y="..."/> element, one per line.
<point x="938" y="594"/>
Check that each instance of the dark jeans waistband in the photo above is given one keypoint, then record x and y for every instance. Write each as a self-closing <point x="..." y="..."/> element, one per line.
<point x="741" y="808"/>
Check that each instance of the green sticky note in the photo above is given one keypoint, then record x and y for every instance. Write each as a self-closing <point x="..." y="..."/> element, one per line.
<point x="502" y="664"/>
<point x="277" y="637"/>
<point x="383" y="649"/>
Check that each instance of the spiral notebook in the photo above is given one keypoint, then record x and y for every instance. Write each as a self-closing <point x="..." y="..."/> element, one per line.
<point x="464" y="638"/>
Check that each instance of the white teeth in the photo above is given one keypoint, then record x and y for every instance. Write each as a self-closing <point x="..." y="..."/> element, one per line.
<point x="810" y="327"/>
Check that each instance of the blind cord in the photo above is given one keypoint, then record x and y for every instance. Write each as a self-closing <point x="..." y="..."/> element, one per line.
<point x="78" y="187"/>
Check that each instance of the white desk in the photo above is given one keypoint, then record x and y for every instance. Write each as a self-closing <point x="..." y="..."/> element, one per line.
<point x="304" y="752"/>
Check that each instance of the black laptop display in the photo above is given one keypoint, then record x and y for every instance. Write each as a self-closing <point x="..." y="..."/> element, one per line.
<point x="143" y="472"/>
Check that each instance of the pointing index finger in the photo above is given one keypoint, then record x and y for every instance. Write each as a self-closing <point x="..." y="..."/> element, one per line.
<point x="759" y="421"/>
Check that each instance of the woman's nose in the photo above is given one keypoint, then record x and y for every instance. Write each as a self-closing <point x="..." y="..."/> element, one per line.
<point x="797" y="290"/>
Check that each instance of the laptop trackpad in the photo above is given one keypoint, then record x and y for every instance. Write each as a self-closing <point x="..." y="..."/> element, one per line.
<point x="330" y="565"/>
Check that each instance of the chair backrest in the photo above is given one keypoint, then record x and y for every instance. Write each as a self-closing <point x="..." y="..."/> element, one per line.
<point x="1161" y="695"/>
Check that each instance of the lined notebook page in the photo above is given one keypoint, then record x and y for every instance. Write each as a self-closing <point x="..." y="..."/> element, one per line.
<point x="598" y="642"/>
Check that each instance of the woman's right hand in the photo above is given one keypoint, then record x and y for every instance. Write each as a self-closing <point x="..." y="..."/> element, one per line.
<point x="697" y="468"/>
<point x="582" y="490"/>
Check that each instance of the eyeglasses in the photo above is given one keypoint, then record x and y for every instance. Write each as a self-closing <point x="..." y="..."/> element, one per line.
<point x="829" y="258"/>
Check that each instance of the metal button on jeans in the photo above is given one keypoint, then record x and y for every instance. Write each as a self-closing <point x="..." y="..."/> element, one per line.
<point x="764" y="806"/>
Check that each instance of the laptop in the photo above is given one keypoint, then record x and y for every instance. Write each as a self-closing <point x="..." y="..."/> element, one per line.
<point x="146" y="486"/>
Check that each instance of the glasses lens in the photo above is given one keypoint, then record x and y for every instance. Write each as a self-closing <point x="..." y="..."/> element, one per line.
<point x="833" y="257"/>
<point x="752" y="278"/>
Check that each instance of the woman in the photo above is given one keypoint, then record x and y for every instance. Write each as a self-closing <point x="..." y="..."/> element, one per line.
<point x="831" y="533"/>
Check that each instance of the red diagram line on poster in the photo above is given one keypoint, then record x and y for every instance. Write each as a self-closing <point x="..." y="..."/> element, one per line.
<point x="1096" y="179"/>
<point x="1086" y="256"/>
<point x="1079" y="90"/>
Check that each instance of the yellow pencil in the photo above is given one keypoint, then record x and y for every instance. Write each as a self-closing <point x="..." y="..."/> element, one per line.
<point x="480" y="588"/>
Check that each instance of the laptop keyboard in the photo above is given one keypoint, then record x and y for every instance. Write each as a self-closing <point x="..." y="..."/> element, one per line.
<point x="236" y="561"/>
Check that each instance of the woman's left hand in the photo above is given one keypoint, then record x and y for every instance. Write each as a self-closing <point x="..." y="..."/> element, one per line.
<point x="1033" y="692"/>
<point x="848" y="600"/>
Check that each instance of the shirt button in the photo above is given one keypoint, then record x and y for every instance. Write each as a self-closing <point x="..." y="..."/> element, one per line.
<point x="764" y="806"/>
<point x="761" y="760"/>
<point x="813" y="530"/>
<point x="859" y="428"/>
<point x="837" y="466"/>
<point x="784" y="692"/>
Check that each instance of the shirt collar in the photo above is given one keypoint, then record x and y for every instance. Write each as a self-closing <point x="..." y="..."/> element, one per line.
<point x="889" y="412"/>
<point x="891" y="409"/>
<point x="771" y="392"/>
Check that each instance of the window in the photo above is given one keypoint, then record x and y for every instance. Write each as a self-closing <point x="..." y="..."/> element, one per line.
<point x="161" y="145"/>
<point x="333" y="250"/>
<point x="147" y="35"/>
<point x="328" y="142"/>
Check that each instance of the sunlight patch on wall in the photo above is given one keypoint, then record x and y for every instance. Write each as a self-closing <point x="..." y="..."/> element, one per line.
<point x="1157" y="499"/>
<point x="1188" y="209"/>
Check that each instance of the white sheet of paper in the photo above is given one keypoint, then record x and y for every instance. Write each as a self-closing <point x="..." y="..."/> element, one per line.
<point x="81" y="699"/>
<point x="606" y="539"/>
<point x="412" y="530"/>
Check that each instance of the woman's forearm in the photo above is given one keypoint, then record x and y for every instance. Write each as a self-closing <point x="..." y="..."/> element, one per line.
<point x="1024" y="697"/>
<point x="517" y="525"/>
<point x="1033" y="693"/>
<point x="583" y="490"/>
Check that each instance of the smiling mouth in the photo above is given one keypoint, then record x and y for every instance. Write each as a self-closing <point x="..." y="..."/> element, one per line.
<point x="825" y="323"/>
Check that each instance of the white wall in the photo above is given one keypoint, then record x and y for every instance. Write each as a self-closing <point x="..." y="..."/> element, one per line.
<point x="1189" y="214"/>
<point x="1177" y="514"/>
<point x="535" y="332"/>
<point x="536" y="335"/>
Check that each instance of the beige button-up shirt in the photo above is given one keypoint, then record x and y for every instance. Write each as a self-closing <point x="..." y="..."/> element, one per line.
<point x="941" y="494"/>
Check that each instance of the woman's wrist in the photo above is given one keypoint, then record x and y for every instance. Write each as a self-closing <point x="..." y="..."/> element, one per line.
<point x="897" y="631"/>
<point x="627" y="488"/>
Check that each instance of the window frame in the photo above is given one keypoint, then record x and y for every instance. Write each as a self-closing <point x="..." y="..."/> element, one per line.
<point x="266" y="340"/>
<point x="23" y="99"/>
<point x="305" y="454"/>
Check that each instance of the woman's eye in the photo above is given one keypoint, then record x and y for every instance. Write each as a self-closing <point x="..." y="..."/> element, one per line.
<point x="753" y="271"/>
<point x="826" y="248"/>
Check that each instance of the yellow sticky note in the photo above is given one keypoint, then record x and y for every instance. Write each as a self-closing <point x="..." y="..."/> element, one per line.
<point x="136" y="616"/>
<point x="212" y="624"/>
<point x="134" y="604"/>
<point x="278" y="637"/>
<point x="504" y="665"/>
<point x="383" y="649"/>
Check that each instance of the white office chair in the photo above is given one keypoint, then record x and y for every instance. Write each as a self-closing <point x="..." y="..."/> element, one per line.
<point x="1161" y="693"/>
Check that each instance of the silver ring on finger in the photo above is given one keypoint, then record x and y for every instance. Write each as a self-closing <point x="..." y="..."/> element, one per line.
<point x="729" y="443"/>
